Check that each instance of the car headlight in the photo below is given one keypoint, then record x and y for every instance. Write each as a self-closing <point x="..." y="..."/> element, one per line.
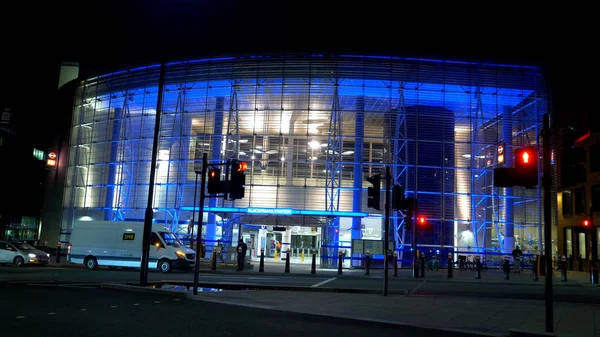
<point x="180" y="254"/>
<point x="48" y="254"/>
<point x="31" y="255"/>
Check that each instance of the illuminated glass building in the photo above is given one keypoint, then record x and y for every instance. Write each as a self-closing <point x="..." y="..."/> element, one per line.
<point x="312" y="128"/>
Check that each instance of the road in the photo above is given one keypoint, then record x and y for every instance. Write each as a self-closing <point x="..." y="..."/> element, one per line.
<point x="51" y="310"/>
<point x="432" y="286"/>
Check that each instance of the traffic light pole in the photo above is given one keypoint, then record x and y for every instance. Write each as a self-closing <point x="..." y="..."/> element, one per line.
<point x="415" y="272"/>
<point x="547" y="182"/>
<point x="386" y="231"/>
<point x="149" y="213"/>
<point x="200" y="217"/>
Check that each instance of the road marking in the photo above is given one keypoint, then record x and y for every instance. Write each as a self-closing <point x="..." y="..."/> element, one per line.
<point x="418" y="286"/>
<point x="51" y="313"/>
<point x="176" y="299"/>
<point x="19" y="317"/>
<point x="113" y="306"/>
<point x="83" y="310"/>
<point x="261" y="278"/>
<point x="324" y="282"/>
<point x="156" y="302"/>
<point x="136" y="304"/>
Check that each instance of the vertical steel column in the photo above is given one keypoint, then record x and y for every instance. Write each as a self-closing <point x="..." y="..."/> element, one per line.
<point x="509" y="231"/>
<point x="359" y="133"/>
<point x="549" y="306"/>
<point x="112" y="166"/>
<point x="400" y="167"/>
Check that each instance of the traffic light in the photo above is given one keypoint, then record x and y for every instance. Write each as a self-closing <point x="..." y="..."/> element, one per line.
<point x="373" y="193"/>
<point x="526" y="166"/>
<point x="398" y="197"/>
<point x="421" y="221"/>
<point x="585" y="223"/>
<point x="214" y="181"/>
<point x="238" y="179"/>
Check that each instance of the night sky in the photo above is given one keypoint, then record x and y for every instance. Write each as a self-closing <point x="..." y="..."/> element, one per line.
<point x="108" y="34"/>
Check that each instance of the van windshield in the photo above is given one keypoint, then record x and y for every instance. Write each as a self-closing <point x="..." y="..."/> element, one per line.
<point x="170" y="239"/>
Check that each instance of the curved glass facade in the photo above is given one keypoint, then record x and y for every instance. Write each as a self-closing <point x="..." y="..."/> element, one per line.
<point x="312" y="128"/>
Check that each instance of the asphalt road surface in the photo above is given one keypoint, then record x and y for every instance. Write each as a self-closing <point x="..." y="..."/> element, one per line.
<point x="424" y="287"/>
<point x="84" y="310"/>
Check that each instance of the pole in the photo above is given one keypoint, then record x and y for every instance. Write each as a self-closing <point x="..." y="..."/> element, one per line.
<point x="547" y="181"/>
<point x="149" y="213"/>
<point x="594" y="244"/>
<point x="386" y="233"/>
<point x="415" y="270"/>
<point x="200" y="216"/>
<point x="194" y="212"/>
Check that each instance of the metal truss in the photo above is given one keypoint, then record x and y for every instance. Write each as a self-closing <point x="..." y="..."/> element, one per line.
<point x="333" y="171"/>
<point x="232" y="145"/>
<point x="178" y="131"/>
<point x="400" y="164"/>
<point x="125" y="168"/>
<point x="479" y="156"/>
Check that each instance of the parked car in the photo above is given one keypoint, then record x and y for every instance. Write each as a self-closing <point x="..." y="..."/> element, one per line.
<point x="20" y="253"/>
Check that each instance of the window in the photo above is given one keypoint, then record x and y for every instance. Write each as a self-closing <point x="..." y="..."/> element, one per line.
<point x="567" y="205"/>
<point x="155" y="241"/>
<point x="581" y="244"/>
<point x="580" y="200"/>
<point x="595" y="158"/>
<point x="597" y="241"/>
<point x="569" y="241"/>
<point x="596" y="198"/>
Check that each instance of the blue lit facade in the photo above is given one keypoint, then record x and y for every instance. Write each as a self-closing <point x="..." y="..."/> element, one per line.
<point x="312" y="128"/>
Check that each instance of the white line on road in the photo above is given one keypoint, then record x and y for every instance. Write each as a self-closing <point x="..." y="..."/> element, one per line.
<point x="324" y="282"/>
<point x="83" y="309"/>
<point x="176" y="299"/>
<point x="156" y="302"/>
<point x="113" y="306"/>
<point x="51" y="313"/>
<point x="136" y="304"/>
<point x="19" y="317"/>
<point x="418" y="286"/>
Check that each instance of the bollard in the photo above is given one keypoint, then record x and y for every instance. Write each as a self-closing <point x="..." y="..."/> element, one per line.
<point x="422" y="265"/>
<point x="340" y="260"/>
<point x="450" y="266"/>
<point x="534" y="268"/>
<point x="58" y="253"/>
<point x="563" y="269"/>
<point x="506" y="268"/>
<point x="368" y="264"/>
<point x="213" y="261"/>
<point x="275" y="257"/>
<point x="415" y="268"/>
<point x="302" y="256"/>
<point x="287" y="262"/>
<point x="395" y="263"/>
<point x="478" y="267"/>
<point x="261" y="266"/>
<point x="313" y="267"/>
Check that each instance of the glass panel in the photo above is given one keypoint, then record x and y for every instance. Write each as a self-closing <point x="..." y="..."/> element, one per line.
<point x="569" y="241"/>
<point x="582" y="245"/>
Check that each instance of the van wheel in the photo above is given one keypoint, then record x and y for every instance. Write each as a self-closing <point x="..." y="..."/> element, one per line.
<point x="164" y="266"/>
<point x="91" y="263"/>
<point x="19" y="261"/>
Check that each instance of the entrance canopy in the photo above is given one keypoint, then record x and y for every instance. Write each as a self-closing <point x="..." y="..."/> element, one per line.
<point x="280" y="216"/>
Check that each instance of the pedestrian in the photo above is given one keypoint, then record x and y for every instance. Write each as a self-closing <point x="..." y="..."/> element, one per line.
<point x="241" y="249"/>
<point x="517" y="254"/>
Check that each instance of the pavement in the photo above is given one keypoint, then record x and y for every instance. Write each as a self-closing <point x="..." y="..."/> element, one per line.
<point x="487" y="306"/>
<point x="58" y="311"/>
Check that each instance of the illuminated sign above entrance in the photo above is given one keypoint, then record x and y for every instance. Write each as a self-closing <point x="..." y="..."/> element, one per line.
<point x="278" y="211"/>
<point x="274" y="211"/>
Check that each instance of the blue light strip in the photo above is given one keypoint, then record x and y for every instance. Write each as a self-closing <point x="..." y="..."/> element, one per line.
<point x="277" y="211"/>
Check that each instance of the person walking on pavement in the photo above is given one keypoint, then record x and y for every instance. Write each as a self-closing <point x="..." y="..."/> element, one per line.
<point x="517" y="254"/>
<point x="241" y="249"/>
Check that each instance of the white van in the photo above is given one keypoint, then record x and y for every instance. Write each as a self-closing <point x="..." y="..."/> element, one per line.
<point x="119" y="244"/>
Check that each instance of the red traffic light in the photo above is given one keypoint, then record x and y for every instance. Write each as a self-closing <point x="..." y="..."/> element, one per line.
<point x="526" y="156"/>
<point x="585" y="223"/>
<point x="421" y="220"/>
<point x="243" y="166"/>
